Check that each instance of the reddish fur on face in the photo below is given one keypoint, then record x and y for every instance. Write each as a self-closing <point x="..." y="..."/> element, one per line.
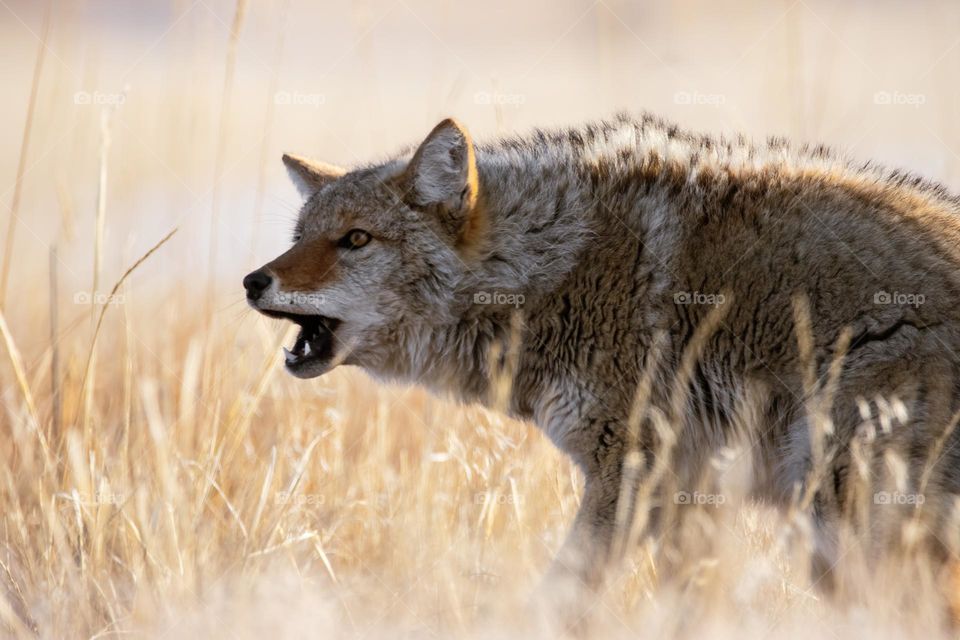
<point x="305" y="266"/>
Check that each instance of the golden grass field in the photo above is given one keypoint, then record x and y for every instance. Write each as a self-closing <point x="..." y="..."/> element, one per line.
<point x="161" y="475"/>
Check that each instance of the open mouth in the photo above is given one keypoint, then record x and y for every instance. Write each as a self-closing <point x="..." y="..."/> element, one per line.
<point x="312" y="351"/>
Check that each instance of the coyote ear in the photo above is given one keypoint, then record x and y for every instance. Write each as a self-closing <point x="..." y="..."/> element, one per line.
<point x="442" y="175"/>
<point x="309" y="176"/>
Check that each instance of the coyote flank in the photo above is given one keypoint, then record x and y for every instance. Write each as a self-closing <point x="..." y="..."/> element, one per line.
<point x="598" y="258"/>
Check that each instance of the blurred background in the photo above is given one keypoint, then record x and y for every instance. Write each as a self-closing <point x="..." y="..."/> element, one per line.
<point x="167" y="476"/>
<point x="197" y="121"/>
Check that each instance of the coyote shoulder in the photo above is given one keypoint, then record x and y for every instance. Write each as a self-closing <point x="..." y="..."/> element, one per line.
<point x="653" y="296"/>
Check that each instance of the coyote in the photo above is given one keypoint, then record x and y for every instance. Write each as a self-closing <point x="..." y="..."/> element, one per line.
<point x="646" y="290"/>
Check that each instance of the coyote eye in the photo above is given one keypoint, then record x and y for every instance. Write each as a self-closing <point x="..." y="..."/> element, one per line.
<point x="354" y="239"/>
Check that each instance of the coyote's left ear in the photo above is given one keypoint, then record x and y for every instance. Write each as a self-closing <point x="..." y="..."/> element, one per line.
<point x="442" y="177"/>
<point x="309" y="176"/>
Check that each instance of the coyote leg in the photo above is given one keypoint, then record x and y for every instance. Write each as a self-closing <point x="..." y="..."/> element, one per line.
<point x="585" y="553"/>
<point x="569" y="588"/>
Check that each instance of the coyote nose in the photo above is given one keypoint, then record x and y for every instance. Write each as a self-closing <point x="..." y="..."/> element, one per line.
<point x="255" y="283"/>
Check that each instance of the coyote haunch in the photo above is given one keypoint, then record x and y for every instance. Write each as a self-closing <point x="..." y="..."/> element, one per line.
<point x="789" y="273"/>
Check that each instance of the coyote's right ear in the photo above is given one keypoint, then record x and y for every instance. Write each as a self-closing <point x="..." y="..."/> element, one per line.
<point x="309" y="176"/>
<point x="442" y="177"/>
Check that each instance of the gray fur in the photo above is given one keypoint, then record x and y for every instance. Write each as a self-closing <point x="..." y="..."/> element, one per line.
<point x="600" y="230"/>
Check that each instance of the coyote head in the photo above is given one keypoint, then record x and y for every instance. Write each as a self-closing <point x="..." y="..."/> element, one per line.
<point x="375" y="251"/>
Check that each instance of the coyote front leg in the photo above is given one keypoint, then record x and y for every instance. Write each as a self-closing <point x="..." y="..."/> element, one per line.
<point x="587" y="552"/>
<point x="575" y="579"/>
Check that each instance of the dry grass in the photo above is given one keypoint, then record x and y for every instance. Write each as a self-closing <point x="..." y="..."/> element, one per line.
<point x="224" y="501"/>
<point x="205" y="480"/>
<point x="178" y="484"/>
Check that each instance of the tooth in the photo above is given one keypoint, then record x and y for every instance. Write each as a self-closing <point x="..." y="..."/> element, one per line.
<point x="306" y="349"/>
<point x="290" y="357"/>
